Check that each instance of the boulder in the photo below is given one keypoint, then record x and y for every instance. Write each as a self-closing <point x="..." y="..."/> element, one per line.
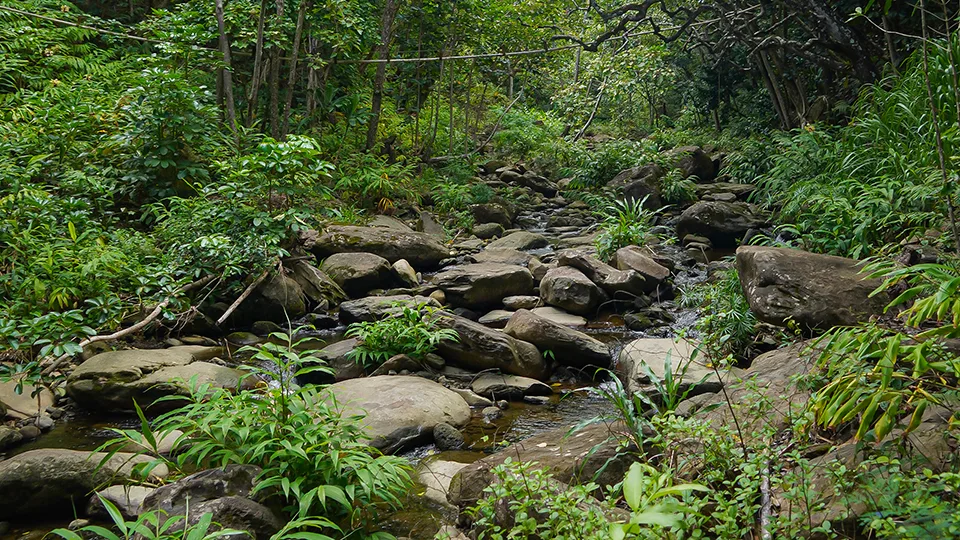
<point x="337" y="357"/>
<point x="693" y="161"/>
<point x="815" y="291"/>
<point x="504" y="256"/>
<point x="739" y="191"/>
<point x="537" y="183"/>
<point x="127" y="499"/>
<point x="405" y="273"/>
<point x="591" y="454"/>
<point x="567" y="288"/>
<point x="112" y="381"/>
<point x="634" y="258"/>
<point x="428" y="225"/>
<point x="9" y="437"/>
<point x="23" y="404"/>
<point x="492" y="213"/>
<point x="641" y="184"/>
<point x="486" y="231"/>
<point x="616" y="283"/>
<point x="522" y="302"/>
<point x="481" y="348"/>
<point x="521" y="240"/>
<point x="559" y="316"/>
<point x="232" y="480"/>
<point x="498" y="386"/>
<point x="241" y="514"/>
<point x="278" y="299"/>
<point x="51" y="483"/>
<point x="483" y="285"/>
<point x="723" y="223"/>
<point x="447" y="437"/>
<point x="644" y="353"/>
<point x="435" y="475"/>
<point x="399" y="411"/>
<point x="496" y="318"/>
<point x="569" y="347"/>
<point x="388" y="222"/>
<point x="491" y="166"/>
<point x="373" y="308"/>
<point x="358" y="273"/>
<point x="420" y="249"/>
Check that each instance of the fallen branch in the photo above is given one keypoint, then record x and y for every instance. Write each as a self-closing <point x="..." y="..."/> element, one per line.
<point x="135" y="328"/>
<point x="246" y="292"/>
<point x="765" y="504"/>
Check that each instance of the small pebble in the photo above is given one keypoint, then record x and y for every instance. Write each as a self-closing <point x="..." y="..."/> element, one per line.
<point x="537" y="400"/>
<point x="503" y="404"/>
<point x="44" y="422"/>
<point x="78" y="524"/>
<point x="491" y="413"/>
<point x="55" y="412"/>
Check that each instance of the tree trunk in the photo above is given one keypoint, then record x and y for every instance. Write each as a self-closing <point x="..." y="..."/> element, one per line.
<point x="274" y="81"/>
<point x="390" y="9"/>
<point x="292" y="77"/>
<point x="227" y="70"/>
<point x="257" y="67"/>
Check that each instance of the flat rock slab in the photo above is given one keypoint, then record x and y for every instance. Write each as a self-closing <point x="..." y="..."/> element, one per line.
<point x="590" y="454"/>
<point x="399" y="411"/>
<point x="656" y="354"/>
<point x="497" y="386"/>
<point x="503" y="256"/>
<point x="569" y="347"/>
<point x="420" y="249"/>
<point x="24" y="404"/>
<point x="522" y="240"/>
<point x="112" y="381"/>
<point x="559" y="316"/>
<point x="373" y="308"/>
<point x="496" y="318"/>
<point x="436" y="475"/>
<point x="483" y="285"/>
<point x="52" y="482"/>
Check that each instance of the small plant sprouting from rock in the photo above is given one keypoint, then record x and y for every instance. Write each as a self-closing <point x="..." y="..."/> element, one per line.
<point x="411" y="329"/>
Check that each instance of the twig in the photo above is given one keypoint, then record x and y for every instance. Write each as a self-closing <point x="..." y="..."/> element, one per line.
<point x="132" y="329"/>
<point x="246" y="292"/>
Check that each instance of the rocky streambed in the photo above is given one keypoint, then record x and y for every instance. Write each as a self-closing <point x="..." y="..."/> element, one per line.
<point x="537" y="313"/>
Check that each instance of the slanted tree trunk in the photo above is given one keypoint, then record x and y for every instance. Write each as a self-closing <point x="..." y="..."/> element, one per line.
<point x="390" y="9"/>
<point x="257" y="67"/>
<point x="292" y="77"/>
<point x="227" y="70"/>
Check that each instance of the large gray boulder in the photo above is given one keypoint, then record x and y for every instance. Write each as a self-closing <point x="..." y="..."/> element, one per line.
<point x="358" y="273"/>
<point x="567" y="288"/>
<point x="480" y="348"/>
<point x="420" y="249"/>
<point x="483" y="285"/>
<point x="225" y="493"/>
<point x="373" y="308"/>
<point x="814" y="291"/>
<point x="520" y="240"/>
<point x="277" y="299"/>
<point x="641" y="184"/>
<point x="723" y="223"/>
<point x="317" y="287"/>
<point x="685" y="363"/>
<point x="569" y="347"/>
<point x="693" y="161"/>
<point x="591" y="454"/>
<point x="399" y="411"/>
<point x="337" y="356"/>
<point x="51" y="483"/>
<point x="503" y="256"/>
<point x="112" y="381"/>
<point x="492" y="213"/>
<point x="636" y="259"/>
<point x="23" y="404"/>
<point x="616" y="283"/>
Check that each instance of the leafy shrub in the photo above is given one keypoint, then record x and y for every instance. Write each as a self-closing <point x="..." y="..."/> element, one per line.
<point x="411" y="330"/>
<point x="596" y="167"/>
<point x="726" y="326"/>
<point x="676" y="189"/>
<point x="153" y="525"/>
<point x="373" y="181"/>
<point x="625" y="223"/>
<point x="314" y="461"/>
<point x="537" y="506"/>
